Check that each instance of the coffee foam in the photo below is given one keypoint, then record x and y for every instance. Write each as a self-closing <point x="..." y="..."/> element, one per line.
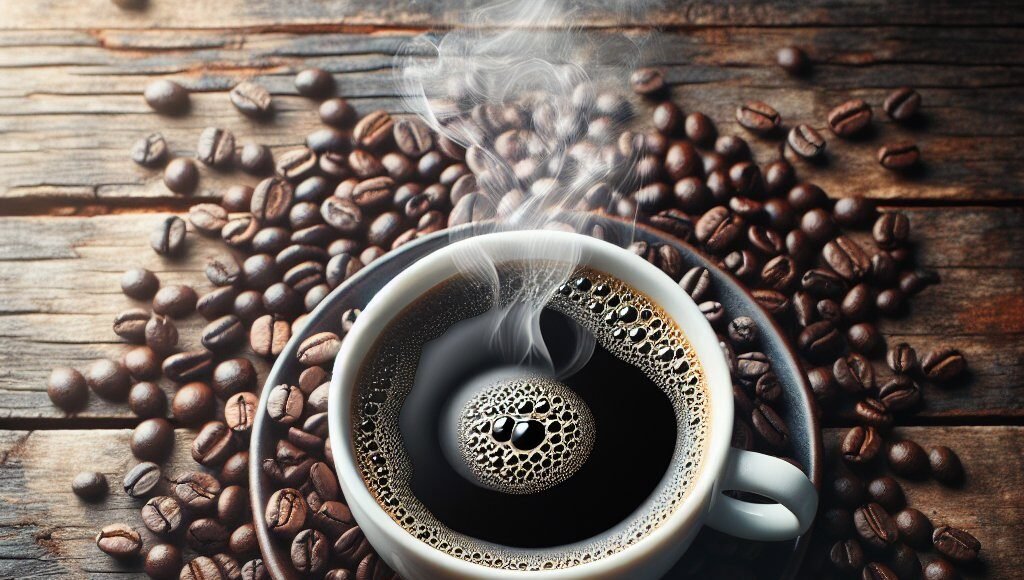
<point x="623" y="321"/>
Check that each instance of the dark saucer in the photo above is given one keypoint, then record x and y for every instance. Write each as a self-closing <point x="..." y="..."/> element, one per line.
<point x="782" y="559"/>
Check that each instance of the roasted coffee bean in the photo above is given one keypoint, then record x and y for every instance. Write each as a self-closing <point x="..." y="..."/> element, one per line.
<point x="899" y="156"/>
<point x="119" y="541"/>
<point x="365" y="165"/>
<point x="373" y="129"/>
<point x="719" y="229"/>
<point x="914" y="527"/>
<point x="874" y="413"/>
<point x="902" y="358"/>
<point x="254" y="159"/>
<point x="956" y="544"/>
<point x="371" y="567"/>
<point x="888" y="493"/>
<point x="289" y="466"/>
<point x="240" y="412"/>
<point x="412" y="137"/>
<point x="243" y="541"/>
<point x="912" y="282"/>
<point x="160" y="334"/>
<point x="168" y="239"/>
<point x="139" y="284"/>
<point x="213" y="444"/>
<point x="206" y="536"/>
<point x="373" y="194"/>
<point x="152" y="439"/>
<point x="900" y="393"/>
<point x="223" y="270"/>
<point x="861" y="444"/>
<point x="828" y="310"/>
<point x="818" y="225"/>
<point x="233" y="505"/>
<point x="696" y="282"/>
<point x="327" y="139"/>
<point x="779" y="273"/>
<point x="319" y="349"/>
<point x="772" y="301"/>
<point x="770" y="426"/>
<point x="271" y="200"/>
<point x="202" y="568"/>
<point x="217" y="302"/>
<point x="946" y="466"/>
<point x="854" y="373"/>
<point x="251" y="99"/>
<point x="823" y="386"/>
<point x="90" y="485"/>
<point x="67" y="388"/>
<point x="333" y="518"/>
<point x="340" y="268"/>
<point x="162" y="515"/>
<point x="194" y="403"/>
<point x="902" y="104"/>
<point x="943" y="365"/>
<point x="847" y="556"/>
<point x="890" y="302"/>
<point x="141" y="362"/>
<point x="286" y="512"/>
<point x="166" y="96"/>
<point x="878" y="571"/>
<point x="181" y="176"/>
<point x="142" y="479"/>
<point x="150" y="151"/>
<point x="196" y="491"/>
<point x="314" y="82"/>
<point x="279" y="299"/>
<point x="223" y="334"/>
<point x="743" y="331"/>
<point x="108" y="379"/>
<point x="849" y="118"/>
<point x="235" y="470"/>
<point x="216" y="147"/>
<point x="188" y="366"/>
<point x="874" y="526"/>
<point x="352" y="546"/>
<point x="176" y="301"/>
<point x="285" y="404"/>
<point x="939" y="569"/>
<point x="296" y="164"/>
<point x="384" y="229"/>
<point x="255" y="570"/>
<point x="858" y="303"/>
<point x="863" y="337"/>
<point x="208" y="218"/>
<point x="804" y="197"/>
<point x="163" y="562"/>
<point x="805" y="308"/>
<point x="268" y="335"/>
<point x="854" y="211"/>
<point x="270" y="240"/>
<point x="849" y="490"/>
<point x="131" y="325"/>
<point x="884" y="268"/>
<point x="647" y="81"/>
<point x="240" y="231"/>
<point x="820" y="339"/>
<point x="758" y="117"/>
<point x="344" y="216"/>
<point x="908" y="459"/>
<point x="793" y="60"/>
<point x="765" y="240"/>
<point x="891" y="230"/>
<point x="846" y="258"/>
<point x="310" y="552"/>
<point x="806" y="142"/>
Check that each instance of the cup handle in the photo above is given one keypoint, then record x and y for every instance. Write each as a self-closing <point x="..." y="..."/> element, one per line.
<point x="773" y="478"/>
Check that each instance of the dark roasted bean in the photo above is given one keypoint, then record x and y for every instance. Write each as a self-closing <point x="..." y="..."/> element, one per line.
<point x="956" y="544"/>
<point x="888" y="493"/>
<point x="898" y="156"/>
<point x="849" y="118"/>
<point x="946" y="466"/>
<point x="943" y="365"/>
<point x="900" y="393"/>
<point x="758" y="117"/>
<point x="874" y="413"/>
<point x="107" y="378"/>
<point x="286" y="512"/>
<point x="150" y="151"/>
<point x="874" y="526"/>
<point x="90" y="485"/>
<point x="806" y="142"/>
<point x="188" y="366"/>
<point x="142" y="479"/>
<point x="854" y="373"/>
<point x="914" y="527"/>
<point x="251" y="99"/>
<point x="902" y="104"/>
<point x="166" y="96"/>
<point x="162" y="515"/>
<point x="119" y="541"/>
<point x="861" y="444"/>
<point x="168" y="239"/>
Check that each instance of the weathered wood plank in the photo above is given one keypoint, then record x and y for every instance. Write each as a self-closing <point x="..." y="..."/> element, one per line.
<point x="71" y="104"/>
<point x="602" y="13"/>
<point x="59" y="292"/>
<point x="45" y="531"/>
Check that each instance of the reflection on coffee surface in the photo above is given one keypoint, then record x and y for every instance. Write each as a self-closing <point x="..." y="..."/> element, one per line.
<point x="499" y="464"/>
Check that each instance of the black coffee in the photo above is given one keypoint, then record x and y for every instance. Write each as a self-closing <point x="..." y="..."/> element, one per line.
<point x="645" y="423"/>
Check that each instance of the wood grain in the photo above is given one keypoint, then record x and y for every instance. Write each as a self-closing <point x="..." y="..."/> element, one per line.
<point x="46" y="531"/>
<point x="59" y="292"/>
<point x="70" y="102"/>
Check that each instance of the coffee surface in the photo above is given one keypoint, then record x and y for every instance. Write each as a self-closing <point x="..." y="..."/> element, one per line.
<point x="651" y="419"/>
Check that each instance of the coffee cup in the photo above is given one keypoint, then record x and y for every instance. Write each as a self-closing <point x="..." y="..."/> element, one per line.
<point x="647" y="553"/>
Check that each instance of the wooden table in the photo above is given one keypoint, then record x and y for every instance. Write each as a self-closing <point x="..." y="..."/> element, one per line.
<point x="75" y="212"/>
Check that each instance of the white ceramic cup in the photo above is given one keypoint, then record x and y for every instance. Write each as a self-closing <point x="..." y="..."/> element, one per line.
<point x="724" y="468"/>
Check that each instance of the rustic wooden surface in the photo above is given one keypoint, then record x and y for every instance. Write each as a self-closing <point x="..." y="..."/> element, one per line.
<point x="73" y="209"/>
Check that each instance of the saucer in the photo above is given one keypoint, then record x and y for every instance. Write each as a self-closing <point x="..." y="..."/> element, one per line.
<point x="782" y="560"/>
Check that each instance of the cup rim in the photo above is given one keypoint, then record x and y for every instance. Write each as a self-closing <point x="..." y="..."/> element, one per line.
<point x="427" y="273"/>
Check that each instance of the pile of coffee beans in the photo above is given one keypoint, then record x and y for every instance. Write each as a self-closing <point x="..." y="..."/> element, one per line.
<point x="363" y="185"/>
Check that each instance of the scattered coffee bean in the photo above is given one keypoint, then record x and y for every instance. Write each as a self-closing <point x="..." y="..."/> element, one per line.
<point x="213" y="444"/>
<point x="194" y="403"/>
<point x="251" y="99"/>
<point x="943" y="365"/>
<point x="254" y="159"/>
<point x="181" y="176"/>
<point x="188" y="366"/>
<point x="758" y="117"/>
<point x="286" y="512"/>
<point x="314" y="82"/>
<point x="939" y="569"/>
<point x="914" y="527"/>
<point x="878" y="571"/>
<point x="233" y="376"/>
<point x="900" y="393"/>
<point x="946" y="466"/>
<point x="166" y="96"/>
<point x="310" y="552"/>
<point x="956" y="544"/>
<point x="899" y="156"/>
<point x="90" y="485"/>
<point x="849" y="118"/>
<point x="874" y="413"/>
<point x="223" y="334"/>
<point x="285" y="404"/>
<point x="162" y="515"/>
<point x="168" y="239"/>
<point x="319" y="349"/>
<point x="861" y="444"/>
<point x="268" y="335"/>
<point x="847" y="556"/>
<point x="197" y="491"/>
<point x="902" y="104"/>
<point x="647" y="81"/>
<point x="108" y="379"/>
<point x="152" y="439"/>
<point x="142" y="479"/>
<point x="240" y="412"/>
<point x="150" y="151"/>
<point x="908" y="459"/>
<point x="874" y="526"/>
<point x="206" y="536"/>
<point x="119" y="541"/>
<point x="792" y="60"/>
<point x="806" y="142"/>
<point x="901" y="358"/>
<point x="216" y="147"/>
<point x="887" y="492"/>
<point x="163" y="562"/>
<point x="67" y="389"/>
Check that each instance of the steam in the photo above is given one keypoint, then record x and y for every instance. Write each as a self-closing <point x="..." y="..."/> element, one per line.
<point x="518" y="87"/>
